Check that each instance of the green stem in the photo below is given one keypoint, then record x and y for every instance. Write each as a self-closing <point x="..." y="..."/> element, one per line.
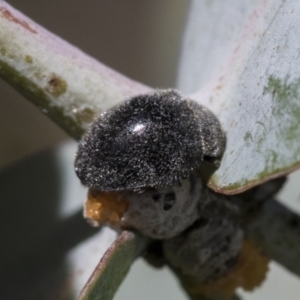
<point x="65" y="83"/>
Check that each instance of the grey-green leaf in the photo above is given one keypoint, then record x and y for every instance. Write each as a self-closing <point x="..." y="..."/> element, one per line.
<point x="241" y="59"/>
<point x="113" y="267"/>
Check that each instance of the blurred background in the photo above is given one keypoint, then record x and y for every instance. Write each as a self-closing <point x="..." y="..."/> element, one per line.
<point x="140" y="39"/>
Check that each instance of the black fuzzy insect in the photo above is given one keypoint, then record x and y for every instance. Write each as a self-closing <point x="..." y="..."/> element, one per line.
<point x="150" y="140"/>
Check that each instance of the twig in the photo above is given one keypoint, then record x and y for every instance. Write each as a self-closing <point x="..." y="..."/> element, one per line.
<point x="66" y="84"/>
<point x="276" y="229"/>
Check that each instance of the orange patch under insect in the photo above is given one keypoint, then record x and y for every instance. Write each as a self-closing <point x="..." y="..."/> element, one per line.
<point x="104" y="207"/>
<point x="249" y="272"/>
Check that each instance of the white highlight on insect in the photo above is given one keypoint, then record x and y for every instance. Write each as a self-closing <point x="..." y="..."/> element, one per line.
<point x="138" y="128"/>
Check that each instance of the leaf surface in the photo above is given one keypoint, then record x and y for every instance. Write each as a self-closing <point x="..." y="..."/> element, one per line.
<point x="113" y="267"/>
<point x="240" y="59"/>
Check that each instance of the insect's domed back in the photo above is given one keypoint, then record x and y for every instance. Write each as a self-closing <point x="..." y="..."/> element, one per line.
<point x="147" y="141"/>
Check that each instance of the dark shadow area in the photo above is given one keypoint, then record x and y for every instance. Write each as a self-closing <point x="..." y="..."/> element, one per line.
<point x="34" y="240"/>
<point x="206" y="170"/>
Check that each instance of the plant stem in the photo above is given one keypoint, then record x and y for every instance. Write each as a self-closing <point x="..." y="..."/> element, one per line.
<point x="69" y="86"/>
<point x="275" y="228"/>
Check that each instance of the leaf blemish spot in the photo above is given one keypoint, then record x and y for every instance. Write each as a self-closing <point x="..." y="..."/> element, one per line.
<point x="85" y="114"/>
<point x="56" y="85"/>
<point x="9" y="16"/>
<point x="28" y="59"/>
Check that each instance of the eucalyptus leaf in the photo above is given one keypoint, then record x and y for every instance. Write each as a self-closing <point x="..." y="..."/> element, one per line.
<point x="113" y="267"/>
<point x="240" y="59"/>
